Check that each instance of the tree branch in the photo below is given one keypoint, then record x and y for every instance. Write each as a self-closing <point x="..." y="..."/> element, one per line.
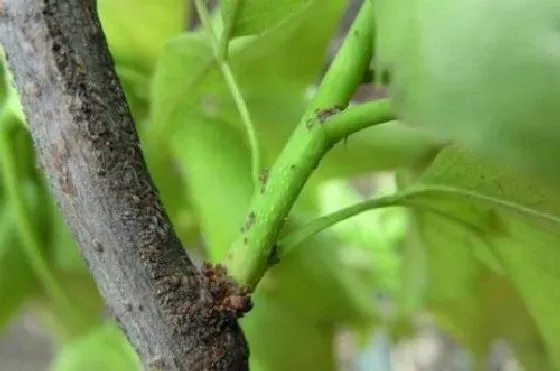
<point x="85" y="137"/>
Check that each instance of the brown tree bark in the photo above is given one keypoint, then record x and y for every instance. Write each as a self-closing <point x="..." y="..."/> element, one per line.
<point x="175" y="316"/>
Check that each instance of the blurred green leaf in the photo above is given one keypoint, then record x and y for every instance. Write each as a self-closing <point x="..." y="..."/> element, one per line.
<point x="517" y="246"/>
<point x="11" y="111"/>
<point x="136" y="86"/>
<point x="215" y="159"/>
<point x="482" y="73"/>
<point x="299" y="343"/>
<point x="256" y="16"/>
<point x="371" y="239"/>
<point x="17" y="280"/>
<point x="472" y="302"/>
<point x="64" y="252"/>
<point x="86" y="302"/>
<point x="137" y="31"/>
<point x="103" y="348"/>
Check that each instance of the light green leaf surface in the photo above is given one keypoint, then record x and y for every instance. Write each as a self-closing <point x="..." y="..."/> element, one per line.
<point x="137" y="30"/>
<point x="298" y="343"/>
<point x="215" y="160"/>
<point x="469" y="299"/>
<point x="517" y="251"/>
<point x="482" y="73"/>
<point x="136" y="86"/>
<point x="256" y="16"/>
<point x="17" y="280"/>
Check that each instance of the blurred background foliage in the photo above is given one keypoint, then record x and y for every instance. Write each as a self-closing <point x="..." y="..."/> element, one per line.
<point x="487" y="273"/>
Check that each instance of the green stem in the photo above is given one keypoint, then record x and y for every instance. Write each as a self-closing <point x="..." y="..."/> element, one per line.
<point x="217" y="49"/>
<point x="26" y="231"/>
<point x="399" y="199"/>
<point x="255" y="249"/>
<point x="346" y="71"/>
<point x="358" y="117"/>
<point x="245" y="118"/>
<point x="295" y="238"/>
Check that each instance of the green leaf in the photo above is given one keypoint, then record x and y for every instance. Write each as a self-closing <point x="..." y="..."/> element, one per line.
<point x="299" y="343"/>
<point x="64" y="252"/>
<point x="17" y="280"/>
<point x="280" y="60"/>
<point x="481" y="73"/>
<point x="137" y="31"/>
<point x="256" y="16"/>
<point x="136" y="86"/>
<point x="215" y="158"/>
<point x="470" y="301"/>
<point x="103" y="348"/>
<point x="519" y="221"/>
<point x="11" y="111"/>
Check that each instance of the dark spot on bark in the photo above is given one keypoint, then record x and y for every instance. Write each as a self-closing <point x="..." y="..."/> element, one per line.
<point x="31" y="88"/>
<point x="140" y="308"/>
<point x="156" y="364"/>
<point x="128" y="307"/>
<point x="59" y="159"/>
<point x="97" y="247"/>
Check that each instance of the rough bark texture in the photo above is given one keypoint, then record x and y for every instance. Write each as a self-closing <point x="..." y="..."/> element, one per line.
<point x="175" y="317"/>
